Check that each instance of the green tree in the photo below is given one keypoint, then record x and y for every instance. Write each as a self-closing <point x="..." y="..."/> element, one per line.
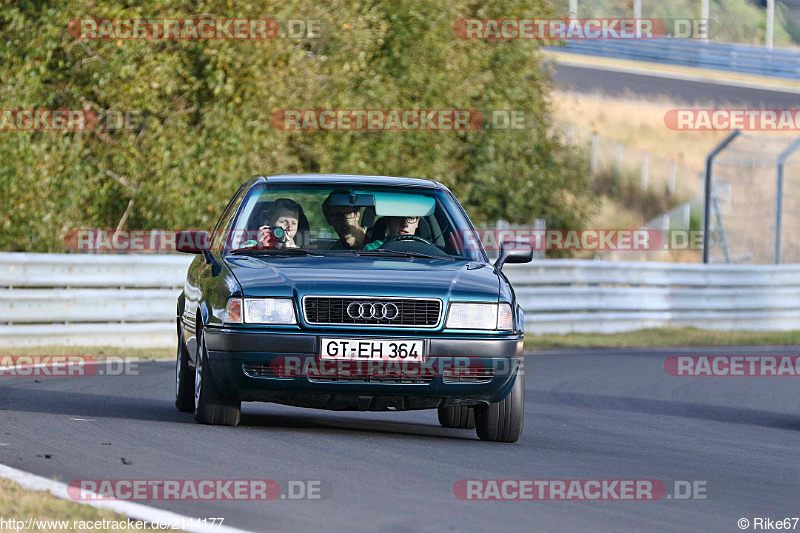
<point x="206" y="108"/>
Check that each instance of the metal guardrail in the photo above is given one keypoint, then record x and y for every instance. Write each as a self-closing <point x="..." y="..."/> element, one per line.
<point x="89" y="300"/>
<point x="564" y="296"/>
<point x="129" y="300"/>
<point x="751" y="59"/>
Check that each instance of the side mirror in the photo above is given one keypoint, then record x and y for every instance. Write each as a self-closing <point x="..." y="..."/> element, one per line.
<point x="192" y="242"/>
<point x="514" y="252"/>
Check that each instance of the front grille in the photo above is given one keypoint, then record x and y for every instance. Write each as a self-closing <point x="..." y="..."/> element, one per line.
<point x="327" y="310"/>
<point x="468" y="375"/>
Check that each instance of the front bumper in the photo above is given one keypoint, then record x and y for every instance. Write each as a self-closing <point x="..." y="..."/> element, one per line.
<point x="229" y="350"/>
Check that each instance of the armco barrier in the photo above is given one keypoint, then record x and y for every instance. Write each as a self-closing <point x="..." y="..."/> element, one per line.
<point x="89" y="300"/>
<point x="129" y="300"/>
<point x="563" y="296"/>
<point x="751" y="59"/>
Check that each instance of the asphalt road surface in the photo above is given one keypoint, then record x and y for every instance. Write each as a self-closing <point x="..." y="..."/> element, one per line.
<point x="590" y="414"/>
<point x="611" y="83"/>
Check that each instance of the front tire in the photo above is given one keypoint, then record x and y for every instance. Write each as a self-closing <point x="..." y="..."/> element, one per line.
<point x="502" y="421"/>
<point x="459" y="416"/>
<point x="184" y="379"/>
<point x="210" y="406"/>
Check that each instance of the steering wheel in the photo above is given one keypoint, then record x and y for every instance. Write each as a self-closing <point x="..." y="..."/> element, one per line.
<point x="406" y="238"/>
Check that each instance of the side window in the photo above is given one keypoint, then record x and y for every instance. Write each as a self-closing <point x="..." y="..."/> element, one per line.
<point x="224" y="224"/>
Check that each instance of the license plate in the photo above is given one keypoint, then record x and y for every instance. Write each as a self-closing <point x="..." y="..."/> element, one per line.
<point x="373" y="349"/>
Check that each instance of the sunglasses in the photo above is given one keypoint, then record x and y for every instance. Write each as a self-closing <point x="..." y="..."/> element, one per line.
<point x="345" y="214"/>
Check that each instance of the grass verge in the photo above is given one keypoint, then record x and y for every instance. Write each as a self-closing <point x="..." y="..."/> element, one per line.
<point x="665" y="337"/>
<point x="17" y="503"/>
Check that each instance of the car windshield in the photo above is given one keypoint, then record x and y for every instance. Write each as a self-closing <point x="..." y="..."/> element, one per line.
<point x="368" y="221"/>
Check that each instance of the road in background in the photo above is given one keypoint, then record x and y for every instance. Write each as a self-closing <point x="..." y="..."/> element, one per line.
<point x="590" y="413"/>
<point x="615" y="83"/>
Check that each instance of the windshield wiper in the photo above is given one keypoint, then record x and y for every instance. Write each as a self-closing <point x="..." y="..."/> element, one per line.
<point x="401" y="253"/>
<point x="274" y="251"/>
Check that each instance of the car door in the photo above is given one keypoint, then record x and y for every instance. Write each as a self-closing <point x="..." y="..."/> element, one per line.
<point x="198" y="282"/>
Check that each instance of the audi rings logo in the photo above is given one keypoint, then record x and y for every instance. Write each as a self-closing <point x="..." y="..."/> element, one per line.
<point x="372" y="311"/>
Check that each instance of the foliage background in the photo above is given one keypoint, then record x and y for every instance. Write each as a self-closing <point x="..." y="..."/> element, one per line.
<point x="732" y="21"/>
<point x="208" y="106"/>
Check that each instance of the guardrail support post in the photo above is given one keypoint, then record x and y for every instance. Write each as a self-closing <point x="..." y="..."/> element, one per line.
<point x="707" y="208"/>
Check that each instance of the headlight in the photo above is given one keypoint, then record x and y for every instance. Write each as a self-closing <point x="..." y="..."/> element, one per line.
<point x="269" y="311"/>
<point x="480" y="316"/>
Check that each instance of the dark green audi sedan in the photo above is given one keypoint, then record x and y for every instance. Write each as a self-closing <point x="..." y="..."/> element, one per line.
<point x="350" y="293"/>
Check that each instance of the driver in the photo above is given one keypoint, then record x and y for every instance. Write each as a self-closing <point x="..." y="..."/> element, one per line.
<point x="397" y="226"/>
<point x="345" y="221"/>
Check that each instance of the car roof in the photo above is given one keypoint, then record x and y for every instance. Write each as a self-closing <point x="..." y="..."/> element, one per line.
<point x="350" y="179"/>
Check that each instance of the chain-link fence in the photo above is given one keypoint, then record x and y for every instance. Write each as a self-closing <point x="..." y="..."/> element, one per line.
<point x="753" y="221"/>
<point x="633" y="163"/>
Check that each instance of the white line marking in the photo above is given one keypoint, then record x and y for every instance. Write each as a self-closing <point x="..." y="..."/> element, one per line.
<point x="131" y="510"/>
<point x="81" y="419"/>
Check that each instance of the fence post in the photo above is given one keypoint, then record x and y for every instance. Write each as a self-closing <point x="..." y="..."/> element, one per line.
<point x="704" y="16"/>
<point x="687" y="215"/>
<point x="645" y="169"/>
<point x="707" y="200"/>
<point x="776" y="254"/>
<point x="673" y="178"/>
<point x="770" y="22"/>
<point x="595" y="153"/>
<point x="539" y="227"/>
<point x="620" y="155"/>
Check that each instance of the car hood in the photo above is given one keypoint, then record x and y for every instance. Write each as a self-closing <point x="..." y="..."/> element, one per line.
<point x="364" y="276"/>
